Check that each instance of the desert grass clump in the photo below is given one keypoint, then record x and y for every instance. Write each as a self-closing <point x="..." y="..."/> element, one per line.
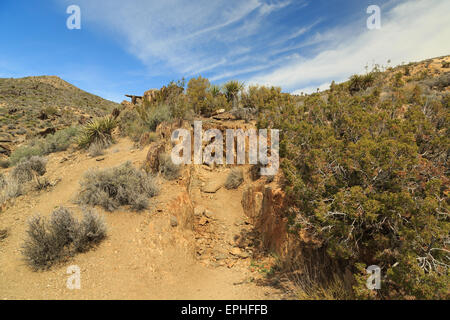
<point x="59" y="141"/>
<point x="26" y="170"/>
<point x="234" y="179"/>
<point x="158" y="115"/>
<point x="91" y="231"/>
<point x="11" y="189"/>
<point x="24" y="152"/>
<point x="60" y="237"/>
<point x="42" y="247"/>
<point x="169" y="170"/>
<point x="2" y="181"/>
<point x="97" y="131"/>
<point x="114" y="187"/>
<point x="96" y="149"/>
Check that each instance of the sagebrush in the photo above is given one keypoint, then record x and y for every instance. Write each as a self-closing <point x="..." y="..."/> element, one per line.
<point x="50" y="241"/>
<point x="114" y="187"/>
<point x="169" y="170"/>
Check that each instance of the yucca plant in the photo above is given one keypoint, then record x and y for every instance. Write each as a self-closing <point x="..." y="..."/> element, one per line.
<point x="232" y="89"/>
<point x="215" y="90"/>
<point x="97" y="131"/>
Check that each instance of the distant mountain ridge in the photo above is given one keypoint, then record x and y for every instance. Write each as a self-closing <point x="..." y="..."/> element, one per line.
<point x="32" y="106"/>
<point x="42" y="91"/>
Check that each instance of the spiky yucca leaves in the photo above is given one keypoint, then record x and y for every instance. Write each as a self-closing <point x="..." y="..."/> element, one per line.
<point x="232" y="89"/>
<point x="97" y="131"/>
<point x="215" y="90"/>
<point x="359" y="83"/>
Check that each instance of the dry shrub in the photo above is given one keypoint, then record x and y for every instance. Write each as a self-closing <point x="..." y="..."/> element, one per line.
<point x="96" y="149"/>
<point x="49" y="242"/>
<point x="169" y="170"/>
<point x="27" y="169"/>
<point x="11" y="189"/>
<point x="113" y="187"/>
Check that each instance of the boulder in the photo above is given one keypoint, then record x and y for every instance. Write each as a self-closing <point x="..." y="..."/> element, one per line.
<point x="150" y="95"/>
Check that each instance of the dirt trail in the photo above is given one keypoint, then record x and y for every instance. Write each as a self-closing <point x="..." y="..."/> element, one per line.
<point x="144" y="257"/>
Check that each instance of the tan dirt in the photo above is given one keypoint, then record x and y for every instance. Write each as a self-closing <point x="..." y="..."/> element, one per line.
<point x="143" y="257"/>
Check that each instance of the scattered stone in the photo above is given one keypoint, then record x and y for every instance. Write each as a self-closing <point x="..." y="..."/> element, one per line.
<point x="224" y="116"/>
<point x="3" y="234"/>
<point x="237" y="252"/>
<point x="198" y="211"/>
<point x="5" y="150"/>
<point x="173" y="221"/>
<point x="100" y="159"/>
<point x="208" y="214"/>
<point x="220" y="256"/>
<point x="212" y="186"/>
<point x="203" y="221"/>
<point x="46" y="132"/>
<point x="219" y="112"/>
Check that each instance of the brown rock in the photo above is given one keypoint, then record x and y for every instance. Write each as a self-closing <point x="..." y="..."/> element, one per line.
<point x="203" y="221"/>
<point x="152" y="161"/>
<point x="212" y="186"/>
<point x="46" y="132"/>
<point x="150" y="95"/>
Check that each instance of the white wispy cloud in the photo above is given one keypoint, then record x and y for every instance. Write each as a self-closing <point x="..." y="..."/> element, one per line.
<point x="411" y="31"/>
<point x="187" y="37"/>
<point x="233" y="38"/>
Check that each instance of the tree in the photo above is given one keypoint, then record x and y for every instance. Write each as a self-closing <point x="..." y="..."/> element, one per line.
<point x="198" y="94"/>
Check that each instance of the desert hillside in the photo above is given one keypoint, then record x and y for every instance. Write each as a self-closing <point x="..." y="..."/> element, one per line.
<point x="363" y="180"/>
<point x="35" y="106"/>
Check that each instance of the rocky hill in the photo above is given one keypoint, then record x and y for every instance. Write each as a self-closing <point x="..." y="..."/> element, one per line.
<point x="32" y="105"/>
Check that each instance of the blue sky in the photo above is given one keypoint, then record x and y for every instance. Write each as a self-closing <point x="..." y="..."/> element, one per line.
<point x="127" y="47"/>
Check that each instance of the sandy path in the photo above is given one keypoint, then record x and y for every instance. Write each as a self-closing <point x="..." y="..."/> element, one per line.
<point x="141" y="258"/>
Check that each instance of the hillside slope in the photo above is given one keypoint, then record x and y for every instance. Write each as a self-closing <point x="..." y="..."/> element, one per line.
<point x="33" y="104"/>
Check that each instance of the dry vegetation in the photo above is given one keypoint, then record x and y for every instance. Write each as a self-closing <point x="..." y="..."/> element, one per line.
<point x="115" y="187"/>
<point x="63" y="236"/>
<point x="365" y="170"/>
